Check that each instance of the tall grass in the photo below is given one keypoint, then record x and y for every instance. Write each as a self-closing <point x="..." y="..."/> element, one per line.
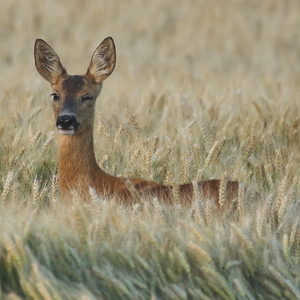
<point x="202" y="89"/>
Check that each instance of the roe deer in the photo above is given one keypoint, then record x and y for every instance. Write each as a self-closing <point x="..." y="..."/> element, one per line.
<point x="74" y="99"/>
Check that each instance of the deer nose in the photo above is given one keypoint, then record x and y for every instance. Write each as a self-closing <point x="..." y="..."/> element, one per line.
<point x="66" y="122"/>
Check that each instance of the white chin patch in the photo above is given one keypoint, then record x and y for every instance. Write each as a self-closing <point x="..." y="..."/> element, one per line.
<point x="66" y="131"/>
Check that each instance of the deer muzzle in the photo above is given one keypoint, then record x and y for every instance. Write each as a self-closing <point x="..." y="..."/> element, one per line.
<point x="67" y="124"/>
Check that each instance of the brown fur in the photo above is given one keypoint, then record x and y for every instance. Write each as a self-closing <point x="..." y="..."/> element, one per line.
<point x="78" y="169"/>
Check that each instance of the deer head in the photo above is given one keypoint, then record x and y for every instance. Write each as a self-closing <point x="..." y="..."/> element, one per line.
<point x="74" y="96"/>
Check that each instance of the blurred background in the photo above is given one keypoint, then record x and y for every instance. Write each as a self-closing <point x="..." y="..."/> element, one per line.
<point x="161" y="44"/>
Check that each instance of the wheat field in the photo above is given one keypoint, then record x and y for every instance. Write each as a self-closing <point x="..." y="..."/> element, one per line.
<point x="201" y="90"/>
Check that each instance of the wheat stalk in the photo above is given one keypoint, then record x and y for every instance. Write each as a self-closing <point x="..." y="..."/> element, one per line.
<point x="250" y="147"/>
<point x="278" y="163"/>
<point x="169" y="179"/>
<point x="54" y="187"/>
<point x="34" y="139"/>
<point x="241" y="196"/>
<point x="286" y="247"/>
<point x="119" y="134"/>
<point x="147" y="159"/>
<point x="14" y="159"/>
<point x="222" y="190"/>
<point x="221" y="287"/>
<point x="259" y="223"/>
<point x="272" y="288"/>
<point x="239" y="287"/>
<point x="247" y="259"/>
<point x="7" y="186"/>
<point x="284" y="283"/>
<point x="214" y="149"/>
<point x="294" y="231"/>
<point x="35" y="193"/>
<point x="135" y="156"/>
<point x="17" y="138"/>
<point x="154" y="144"/>
<point x="242" y="238"/>
<point x="186" y="171"/>
<point x="134" y="124"/>
<point x="208" y="212"/>
<point x="176" y="194"/>
<point x="281" y="192"/>
<point x="282" y="208"/>
<point x="182" y="260"/>
<point x="47" y="141"/>
<point x="204" y="131"/>
<point x="43" y="291"/>
<point x="200" y="255"/>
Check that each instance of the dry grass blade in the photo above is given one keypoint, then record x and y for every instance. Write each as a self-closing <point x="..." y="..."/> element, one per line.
<point x="214" y="152"/>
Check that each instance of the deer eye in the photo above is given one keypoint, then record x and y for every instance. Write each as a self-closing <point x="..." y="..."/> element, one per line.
<point x="55" y="97"/>
<point x="86" y="98"/>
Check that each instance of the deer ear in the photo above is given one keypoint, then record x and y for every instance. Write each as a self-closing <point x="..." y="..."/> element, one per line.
<point x="47" y="62"/>
<point x="103" y="61"/>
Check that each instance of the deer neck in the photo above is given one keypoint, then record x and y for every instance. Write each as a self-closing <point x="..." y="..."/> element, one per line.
<point x="77" y="166"/>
